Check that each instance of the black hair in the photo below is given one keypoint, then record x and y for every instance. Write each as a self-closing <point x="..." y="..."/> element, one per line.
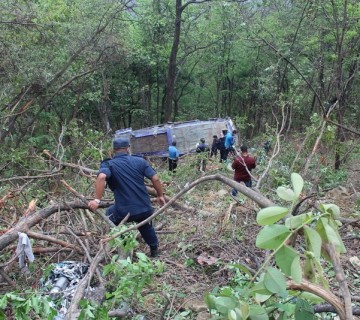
<point x="174" y="143"/>
<point x="243" y="148"/>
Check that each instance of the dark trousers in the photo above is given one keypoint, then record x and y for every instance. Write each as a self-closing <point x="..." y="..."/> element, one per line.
<point x="147" y="231"/>
<point x="248" y="183"/>
<point x="223" y="155"/>
<point x="172" y="165"/>
<point x="231" y="151"/>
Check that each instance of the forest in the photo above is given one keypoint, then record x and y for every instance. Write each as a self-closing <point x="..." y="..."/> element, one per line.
<point x="285" y="71"/>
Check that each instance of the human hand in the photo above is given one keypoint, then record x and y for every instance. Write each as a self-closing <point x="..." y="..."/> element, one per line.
<point x="161" y="201"/>
<point x="93" y="204"/>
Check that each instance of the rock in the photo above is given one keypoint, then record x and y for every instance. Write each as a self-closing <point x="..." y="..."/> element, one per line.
<point x="355" y="261"/>
<point x="96" y="295"/>
<point x="338" y="193"/>
<point x="196" y="305"/>
<point x="222" y="192"/>
<point x="204" y="315"/>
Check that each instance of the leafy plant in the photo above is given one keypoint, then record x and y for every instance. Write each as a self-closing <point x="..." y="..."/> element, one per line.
<point x="267" y="294"/>
<point x="26" y="307"/>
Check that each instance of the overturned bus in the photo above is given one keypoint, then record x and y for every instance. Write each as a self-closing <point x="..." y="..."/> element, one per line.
<point x="154" y="141"/>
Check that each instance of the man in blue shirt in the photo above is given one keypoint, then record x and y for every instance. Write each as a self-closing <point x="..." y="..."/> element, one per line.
<point x="173" y="157"/>
<point x="125" y="176"/>
<point x="229" y="143"/>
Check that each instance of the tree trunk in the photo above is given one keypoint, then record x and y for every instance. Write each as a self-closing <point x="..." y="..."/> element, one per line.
<point x="170" y="80"/>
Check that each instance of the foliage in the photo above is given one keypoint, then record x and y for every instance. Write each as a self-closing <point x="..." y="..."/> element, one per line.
<point x="266" y="294"/>
<point x="26" y="306"/>
<point x="127" y="280"/>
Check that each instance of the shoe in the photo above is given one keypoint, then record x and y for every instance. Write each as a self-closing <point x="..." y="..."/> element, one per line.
<point x="234" y="192"/>
<point x="154" y="252"/>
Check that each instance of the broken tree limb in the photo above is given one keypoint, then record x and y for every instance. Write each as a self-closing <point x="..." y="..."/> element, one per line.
<point x="262" y="201"/>
<point x="87" y="253"/>
<point x="40" y="236"/>
<point x="80" y="290"/>
<point x="85" y="201"/>
<point x="42" y="176"/>
<point x="26" y="222"/>
<point x="340" y="277"/>
<point x="322" y="293"/>
<point x="329" y="308"/>
<point x="318" y="139"/>
<point x="83" y="170"/>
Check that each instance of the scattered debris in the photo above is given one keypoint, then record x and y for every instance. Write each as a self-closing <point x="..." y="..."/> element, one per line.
<point x="62" y="283"/>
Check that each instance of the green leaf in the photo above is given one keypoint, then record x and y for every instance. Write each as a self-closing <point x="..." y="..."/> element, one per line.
<point x="242" y="268"/>
<point x="297" y="183"/>
<point x="224" y="304"/>
<point x="270" y="215"/>
<point x="284" y="258"/>
<point x="296" y="270"/>
<point x="258" y="313"/>
<point x="210" y="301"/>
<point x="333" y="209"/>
<point x="275" y="282"/>
<point x="313" y="298"/>
<point x="35" y="303"/>
<point x="303" y="310"/>
<point x="330" y="235"/>
<point x="295" y="222"/>
<point x="260" y="298"/>
<point x="309" y="269"/>
<point x="313" y="241"/>
<point x="232" y="315"/>
<point x="259" y="288"/>
<point x="288" y="261"/>
<point x="244" y="309"/>
<point x="271" y="237"/>
<point x="285" y="194"/>
<point x="3" y="301"/>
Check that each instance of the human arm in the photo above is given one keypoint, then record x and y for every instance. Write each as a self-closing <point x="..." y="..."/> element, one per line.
<point x="159" y="189"/>
<point x="99" y="190"/>
<point x="233" y="165"/>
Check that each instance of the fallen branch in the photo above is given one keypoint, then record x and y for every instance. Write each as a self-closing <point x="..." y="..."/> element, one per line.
<point x="26" y="222"/>
<point x="329" y="308"/>
<point x="62" y="243"/>
<point x="42" y="176"/>
<point x="71" y="165"/>
<point x="80" y="290"/>
<point x="340" y="277"/>
<point x="255" y="196"/>
<point x="322" y="293"/>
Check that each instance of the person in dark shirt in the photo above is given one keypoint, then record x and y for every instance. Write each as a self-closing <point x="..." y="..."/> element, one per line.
<point x="214" y="146"/>
<point x="202" y="149"/>
<point x="243" y="164"/>
<point x="222" y="148"/>
<point x="125" y="176"/>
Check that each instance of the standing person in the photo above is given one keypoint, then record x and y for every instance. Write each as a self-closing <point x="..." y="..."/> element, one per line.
<point x="202" y="149"/>
<point x="222" y="147"/>
<point x="125" y="176"/>
<point x="243" y="164"/>
<point x="173" y="157"/>
<point x="214" y="146"/>
<point x="230" y="142"/>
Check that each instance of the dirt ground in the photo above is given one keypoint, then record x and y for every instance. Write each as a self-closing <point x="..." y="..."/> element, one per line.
<point x="196" y="246"/>
<point x="211" y="231"/>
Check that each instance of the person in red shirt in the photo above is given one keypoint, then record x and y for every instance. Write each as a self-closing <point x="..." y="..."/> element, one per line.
<point x="243" y="164"/>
